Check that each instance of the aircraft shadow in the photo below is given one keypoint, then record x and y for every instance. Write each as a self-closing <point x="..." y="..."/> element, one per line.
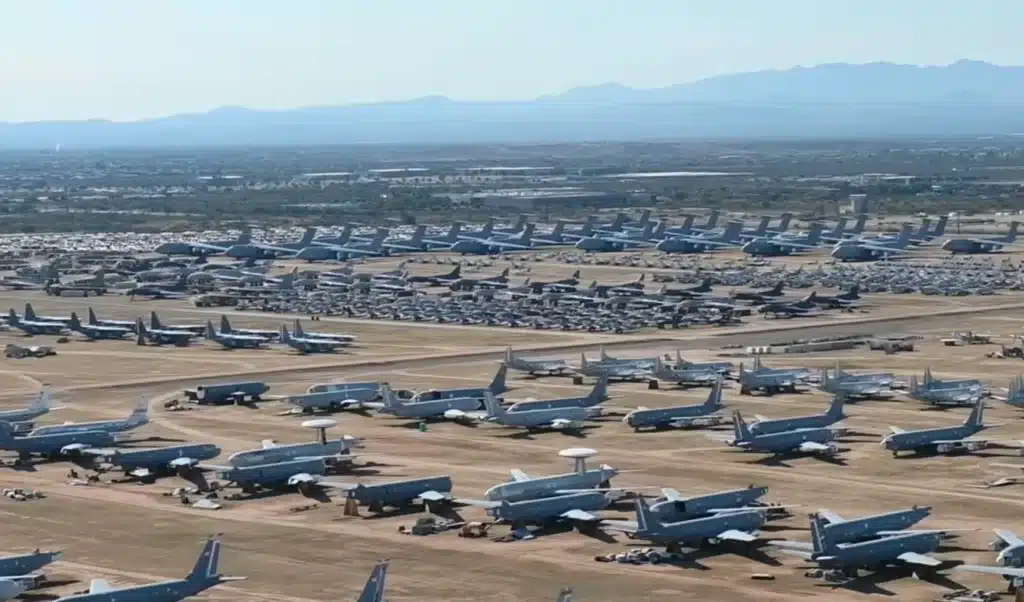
<point x="56" y="583"/>
<point x="38" y="597"/>
<point x="782" y="460"/>
<point x="393" y="512"/>
<point x="530" y="435"/>
<point x="935" y="454"/>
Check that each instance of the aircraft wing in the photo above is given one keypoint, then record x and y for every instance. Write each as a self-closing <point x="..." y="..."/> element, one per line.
<point x="881" y="249"/>
<point x="434" y="496"/>
<point x="786" y="243"/>
<point x="207" y="247"/>
<point x="336" y="485"/>
<point x="579" y="515"/>
<point x="341" y="249"/>
<point x="982" y="241"/>
<point x="1009" y="538"/>
<point x="735" y="535"/>
<point x="478" y="503"/>
<point x="895" y="430"/>
<point x="519" y="475"/>
<point x="812" y="447"/>
<point x="919" y="559"/>
<point x="268" y="247"/>
<point x="1005" y="571"/>
<point x="98" y="451"/>
<point x="627" y="526"/>
<point x="805" y="554"/>
<point x="830" y="516"/>
<point x="671" y="494"/>
<point x="100" y="586"/>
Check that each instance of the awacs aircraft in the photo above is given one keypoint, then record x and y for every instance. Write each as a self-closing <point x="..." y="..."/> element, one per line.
<point x="910" y="548"/>
<point x="398" y="494"/>
<point x="307" y="344"/>
<point x="178" y="460"/>
<point x="34" y="327"/>
<point x="685" y="375"/>
<point x="871" y="250"/>
<point x="457" y="409"/>
<point x="260" y="250"/>
<point x="739" y="526"/>
<point x="560" y="419"/>
<point x="536" y="367"/>
<point x="700" y="414"/>
<point x="764" y="426"/>
<point x="97" y="332"/>
<point x="138" y="417"/>
<point x="94" y="321"/>
<point x="814" y="441"/>
<point x="942" y="440"/>
<point x="203" y="248"/>
<point x="39" y="407"/>
<point x="486" y="246"/>
<point x="52" y="446"/>
<point x="204" y="575"/>
<point x="525" y="487"/>
<point x="784" y="245"/>
<point x="234" y="341"/>
<point x="972" y="246"/>
<point x="730" y="237"/>
<point x="180" y="338"/>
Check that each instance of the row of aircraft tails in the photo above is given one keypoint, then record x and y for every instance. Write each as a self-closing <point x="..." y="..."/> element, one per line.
<point x="849" y="244"/>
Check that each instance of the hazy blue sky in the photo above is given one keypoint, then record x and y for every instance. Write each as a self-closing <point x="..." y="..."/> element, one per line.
<point x="126" y="59"/>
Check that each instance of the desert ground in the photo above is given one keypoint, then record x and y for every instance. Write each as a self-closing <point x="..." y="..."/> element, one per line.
<point x="130" y="533"/>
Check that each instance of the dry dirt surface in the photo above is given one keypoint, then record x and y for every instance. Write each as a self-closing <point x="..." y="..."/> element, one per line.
<point x="130" y="533"/>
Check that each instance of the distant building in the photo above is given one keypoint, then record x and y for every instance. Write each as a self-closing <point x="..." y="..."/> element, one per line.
<point x="531" y="199"/>
<point x="858" y="204"/>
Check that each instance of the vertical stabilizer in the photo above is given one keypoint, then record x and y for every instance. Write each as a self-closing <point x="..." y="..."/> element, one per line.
<point x="497" y="385"/>
<point x="373" y="591"/>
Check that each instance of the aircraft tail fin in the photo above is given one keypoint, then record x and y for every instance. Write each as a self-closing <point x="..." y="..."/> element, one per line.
<point x="784" y="221"/>
<point x="556" y="232"/>
<point x="819" y="539"/>
<point x="140" y="415"/>
<point x="600" y="391"/>
<point x="714" y="399"/>
<point x="75" y="323"/>
<point x="740" y="429"/>
<point x="836" y="409"/>
<point x="141" y="332"/>
<point x="940" y="228"/>
<point x="814" y="234"/>
<point x="762" y="226"/>
<point x="284" y="335"/>
<point x="387" y="396"/>
<point x="859" y="226"/>
<point x="1012" y="235"/>
<point x="154" y="321"/>
<point x="12" y="317"/>
<point x="211" y="332"/>
<point x="616" y="224"/>
<point x="30" y="314"/>
<point x="904" y="236"/>
<point x="712" y="219"/>
<point x="497" y="385"/>
<point x="732" y="231"/>
<point x="43" y="401"/>
<point x="418" y="234"/>
<point x="207" y="568"/>
<point x="527" y="233"/>
<point x="373" y="591"/>
<point x="977" y="416"/>
<point x="307" y="236"/>
<point x="565" y="595"/>
<point x="297" y="328"/>
<point x="245" y="237"/>
<point x="92" y="317"/>
<point x="494" y="409"/>
<point x="644" y="520"/>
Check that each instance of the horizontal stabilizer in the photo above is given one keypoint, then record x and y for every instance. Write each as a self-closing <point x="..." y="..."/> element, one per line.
<point x="735" y="535"/>
<point x="434" y="496"/>
<point x="99" y="586"/>
<point x="579" y="515"/>
<point x="1005" y="571"/>
<point x="830" y="517"/>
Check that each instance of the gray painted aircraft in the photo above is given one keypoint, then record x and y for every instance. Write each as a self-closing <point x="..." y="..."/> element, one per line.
<point x="784" y="245"/>
<point x="458" y="409"/>
<point x="522" y="486"/>
<point x="942" y="395"/>
<point x="19" y="573"/>
<point x="576" y="507"/>
<point x="203" y="248"/>
<point x="52" y="446"/>
<point x="497" y="388"/>
<point x="268" y="251"/>
<point x="931" y="382"/>
<point x="729" y="237"/>
<point x="1010" y="560"/>
<point x="685" y="375"/>
<point x="331" y="451"/>
<point x="597" y="395"/>
<point x="94" y="321"/>
<point x="234" y="341"/>
<point x="770" y="380"/>
<point x="226" y="328"/>
<point x="155" y="323"/>
<point x="179" y="338"/>
<point x="42" y="404"/>
<point x="331" y="397"/>
<point x="398" y="494"/>
<point x="138" y="417"/>
<point x="163" y="461"/>
<point x="866" y="249"/>
<point x="536" y="367"/>
<point x="942" y="440"/>
<point x="33" y="327"/>
<point x="847" y="530"/>
<point x="977" y="245"/>
<point x="373" y="591"/>
<point x="30" y="316"/>
<point x="856" y="385"/>
<point x="673" y="507"/>
<point x="307" y="344"/>
<point x="561" y="419"/>
<point x="815" y="441"/>
<point x="346" y="339"/>
<point x="740" y="526"/>
<point x="764" y="426"/>
<point x="679" y="416"/>
<point x="723" y="368"/>
<point x="847" y="558"/>
<point x="95" y="331"/>
<point x="204" y="575"/>
<point x="305" y="475"/>
<point x="612" y="371"/>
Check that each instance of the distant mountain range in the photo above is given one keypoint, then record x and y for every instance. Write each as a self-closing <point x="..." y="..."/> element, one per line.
<point x="833" y="100"/>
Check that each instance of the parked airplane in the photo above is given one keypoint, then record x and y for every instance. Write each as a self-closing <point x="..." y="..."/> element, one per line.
<point x="700" y="414"/>
<point x="770" y="380"/>
<point x="330" y="451"/>
<point x="1010" y="560"/>
<point x="730" y="237"/>
<point x="567" y="419"/>
<point x="977" y="245"/>
<point x="306" y="344"/>
<point x="941" y="394"/>
<point x="321" y="250"/>
<point x="203" y="248"/>
<point x="234" y="341"/>
<point x="336" y="396"/>
<point x="685" y="376"/>
<point x="603" y="242"/>
<point x="39" y="407"/>
<point x="373" y="591"/>
<point x="490" y="282"/>
<point x="837" y="301"/>
<point x="847" y="558"/>
<point x="673" y="507"/>
<point x="815" y="441"/>
<point x="723" y="368"/>
<point x="94" y="321"/>
<point x="344" y="339"/>
<point x="259" y="250"/>
<point x="138" y="417"/>
<point x="943" y="440"/>
<point x="450" y="408"/>
<point x="525" y="487"/>
<point x="155" y="462"/>
<point x="438" y="279"/>
<point x="179" y="338"/>
<point x="784" y="245"/>
<point x="34" y="327"/>
<point x="764" y="426"/>
<point x="178" y="289"/>
<point x="871" y="250"/>
<point x="576" y="507"/>
<point x="739" y="526"/>
<point x="759" y="296"/>
<point x="855" y="385"/>
<point x="97" y="332"/>
<point x="536" y="367"/>
<point x="398" y="494"/>
<point x="52" y="446"/>
<point x="496" y="388"/>
<point x="598" y="394"/>
<point x="155" y="323"/>
<point x="26" y="564"/>
<point x="486" y="246"/>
